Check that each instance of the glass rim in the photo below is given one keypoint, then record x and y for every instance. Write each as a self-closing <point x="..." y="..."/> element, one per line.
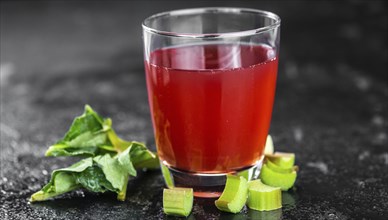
<point x="192" y="11"/>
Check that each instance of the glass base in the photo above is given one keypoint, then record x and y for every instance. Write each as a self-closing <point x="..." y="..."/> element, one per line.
<point x="205" y="185"/>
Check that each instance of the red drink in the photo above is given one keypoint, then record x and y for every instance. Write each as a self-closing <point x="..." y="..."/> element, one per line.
<point x="211" y="105"/>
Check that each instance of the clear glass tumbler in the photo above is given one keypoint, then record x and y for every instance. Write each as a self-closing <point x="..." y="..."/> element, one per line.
<point x="211" y="76"/>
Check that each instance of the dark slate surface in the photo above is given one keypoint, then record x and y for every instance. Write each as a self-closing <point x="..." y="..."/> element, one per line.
<point x="331" y="104"/>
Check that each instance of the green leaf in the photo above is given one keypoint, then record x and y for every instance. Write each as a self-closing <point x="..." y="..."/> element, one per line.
<point x="87" y="174"/>
<point x="62" y="181"/>
<point x="87" y="136"/>
<point x="91" y="135"/>
<point x="119" y="169"/>
<point x="98" y="174"/>
<point x="150" y="163"/>
<point x="65" y="150"/>
<point x="111" y="162"/>
<point x="114" y="172"/>
<point x="89" y="121"/>
<point x="141" y="157"/>
<point x="93" y="179"/>
<point x="119" y="144"/>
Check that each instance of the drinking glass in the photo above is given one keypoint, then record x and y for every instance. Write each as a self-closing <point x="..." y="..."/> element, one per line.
<point x="211" y="76"/>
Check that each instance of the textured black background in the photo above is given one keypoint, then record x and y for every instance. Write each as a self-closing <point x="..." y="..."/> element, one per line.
<point x="330" y="108"/>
